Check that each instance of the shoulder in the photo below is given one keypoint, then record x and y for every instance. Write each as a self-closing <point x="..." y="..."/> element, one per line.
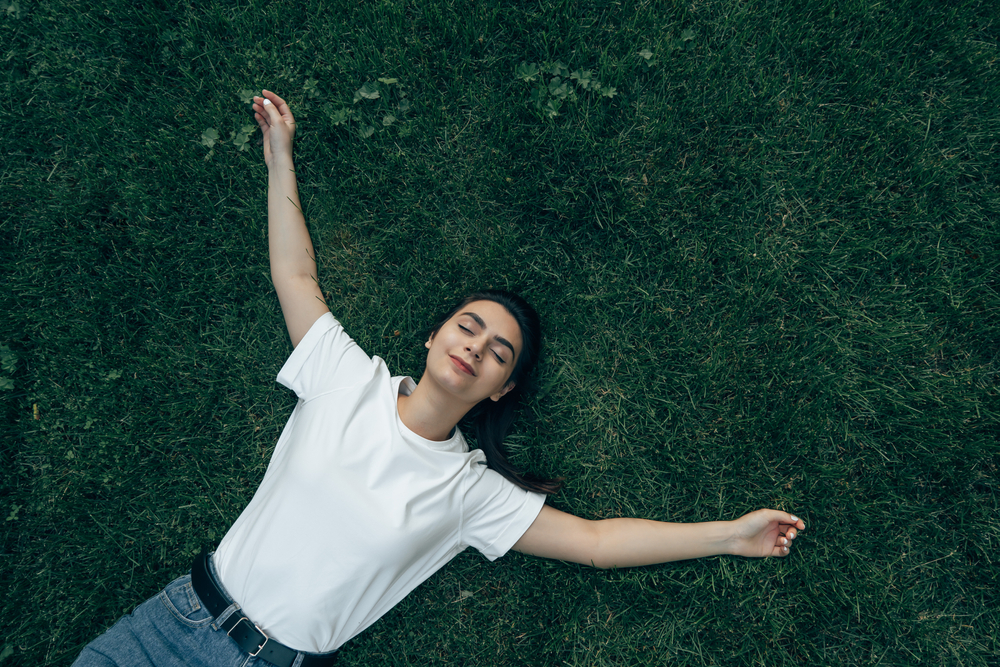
<point x="326" y="358"/>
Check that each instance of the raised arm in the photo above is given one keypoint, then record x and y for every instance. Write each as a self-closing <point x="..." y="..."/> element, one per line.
<point x="293" y="263"/>
<point x="631" y="542"/>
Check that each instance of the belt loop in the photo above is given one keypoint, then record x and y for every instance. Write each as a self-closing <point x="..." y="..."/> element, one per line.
<point x="208" y="588"/>
<point x="226" y="613"/>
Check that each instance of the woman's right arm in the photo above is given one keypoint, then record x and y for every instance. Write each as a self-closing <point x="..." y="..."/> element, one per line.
<point x="293" y="263"/>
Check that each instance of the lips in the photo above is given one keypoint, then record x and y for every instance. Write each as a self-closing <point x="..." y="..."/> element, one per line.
<point x="464" y="367"/>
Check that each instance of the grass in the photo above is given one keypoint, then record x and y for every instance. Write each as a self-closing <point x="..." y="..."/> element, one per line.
<point x="767" y="267"/>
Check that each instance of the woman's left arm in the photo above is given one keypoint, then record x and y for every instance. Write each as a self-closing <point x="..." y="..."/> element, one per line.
<point x="630" y="542"/>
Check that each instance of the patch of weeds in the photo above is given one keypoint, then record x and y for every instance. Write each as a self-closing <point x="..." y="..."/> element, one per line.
<point x="240" y="140"/>
<point x="7" y="361"/>
<point x="375" y="105"/>
<point x="11" y="9"/>
<point x="208" y="139"/>
<point x="683" y="43"/>
<point x="553" y="85"/>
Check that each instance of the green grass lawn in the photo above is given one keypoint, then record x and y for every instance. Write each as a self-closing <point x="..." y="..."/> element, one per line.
<point x="763" y="238"/>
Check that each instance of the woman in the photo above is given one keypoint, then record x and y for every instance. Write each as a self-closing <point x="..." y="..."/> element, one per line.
<point x="371" y="487"/>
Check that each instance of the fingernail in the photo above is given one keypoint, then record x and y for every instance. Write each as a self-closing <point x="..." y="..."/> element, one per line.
<point x="794" y="518"/>
<point x="267" y="101"/>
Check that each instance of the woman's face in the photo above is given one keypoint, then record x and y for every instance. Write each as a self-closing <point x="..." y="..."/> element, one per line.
<point x="473" y="354"/>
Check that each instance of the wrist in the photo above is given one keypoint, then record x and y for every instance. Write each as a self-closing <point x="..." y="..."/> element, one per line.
<point x="281" y="163"/>
<point x="730" y="538"/>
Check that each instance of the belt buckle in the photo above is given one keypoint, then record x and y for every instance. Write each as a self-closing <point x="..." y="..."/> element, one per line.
<point x="257" y="628"/>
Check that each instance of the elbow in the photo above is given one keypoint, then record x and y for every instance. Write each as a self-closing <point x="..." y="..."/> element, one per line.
<point x="293" y="283"/>
<point x="601" y="551"/>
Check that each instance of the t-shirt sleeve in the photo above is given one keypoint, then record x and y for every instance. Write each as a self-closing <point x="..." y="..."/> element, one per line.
<point x="498" y="513"/>
<point x="325" y="359"/>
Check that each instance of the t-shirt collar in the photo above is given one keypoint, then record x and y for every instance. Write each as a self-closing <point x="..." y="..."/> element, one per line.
<point x="404" y="384"/>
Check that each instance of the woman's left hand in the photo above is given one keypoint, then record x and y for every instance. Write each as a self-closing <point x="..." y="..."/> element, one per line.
<point x="765" y="533"/>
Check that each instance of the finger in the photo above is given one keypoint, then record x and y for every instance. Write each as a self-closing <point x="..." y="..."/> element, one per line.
<point x="275" y="100"/>
<point x="259" y="113"/>
<point x="791" y="520"/>
<point x="260" y="116"/>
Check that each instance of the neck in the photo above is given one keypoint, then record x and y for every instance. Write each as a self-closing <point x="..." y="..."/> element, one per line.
<point x="430" y="412"/>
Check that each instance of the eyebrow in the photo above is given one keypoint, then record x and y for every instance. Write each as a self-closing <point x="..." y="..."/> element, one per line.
<point x="499" y="339"/>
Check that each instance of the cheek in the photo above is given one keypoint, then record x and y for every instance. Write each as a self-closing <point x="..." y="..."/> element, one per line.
<point x="505" y="375"/>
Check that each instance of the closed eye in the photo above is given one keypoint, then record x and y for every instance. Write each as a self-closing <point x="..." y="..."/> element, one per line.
<point x="496" y="354"/>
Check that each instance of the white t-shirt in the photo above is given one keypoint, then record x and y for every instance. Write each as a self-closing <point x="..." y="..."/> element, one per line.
<point x="355" y="510"/>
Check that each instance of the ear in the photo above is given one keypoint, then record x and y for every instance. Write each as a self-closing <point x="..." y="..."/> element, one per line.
<point x="500" y="394"/>
<point x="429" y="340"/>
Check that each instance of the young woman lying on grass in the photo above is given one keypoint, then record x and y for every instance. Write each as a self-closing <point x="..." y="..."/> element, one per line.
<point x="372" y="488"/>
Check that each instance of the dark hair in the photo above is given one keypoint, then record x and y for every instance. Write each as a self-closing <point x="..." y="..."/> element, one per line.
<point x="490" y="419"/>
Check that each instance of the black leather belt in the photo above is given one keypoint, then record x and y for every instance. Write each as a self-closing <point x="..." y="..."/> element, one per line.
<point x="241" y="629"/>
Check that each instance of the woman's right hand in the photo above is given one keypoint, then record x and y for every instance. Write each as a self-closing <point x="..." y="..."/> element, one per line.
<point x="277" y="125"/>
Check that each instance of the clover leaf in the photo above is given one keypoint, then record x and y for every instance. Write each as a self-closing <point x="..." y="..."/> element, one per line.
<point x="7" y="359"/>
<point x="341" y="116"/>
<point x="558" y="87"/>
<point x="209" y="137"/>
<point x="526" y="71"/>
<point x="241" y="139"/>
<point x="369" y="91"/>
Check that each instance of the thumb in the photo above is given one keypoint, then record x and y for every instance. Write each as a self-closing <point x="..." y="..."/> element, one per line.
<point x="272" y="113"/>
<point x="792" y="520"/>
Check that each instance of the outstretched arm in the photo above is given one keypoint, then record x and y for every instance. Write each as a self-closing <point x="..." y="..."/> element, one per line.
<point x="631" y="542"/>
<point x="293" y="263"/>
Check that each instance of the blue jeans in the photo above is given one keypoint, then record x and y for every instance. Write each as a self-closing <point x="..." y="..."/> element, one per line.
<point x="172" y="629"/>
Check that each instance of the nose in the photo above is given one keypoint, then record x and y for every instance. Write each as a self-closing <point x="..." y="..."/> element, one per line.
<point x="474" y="347"/>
